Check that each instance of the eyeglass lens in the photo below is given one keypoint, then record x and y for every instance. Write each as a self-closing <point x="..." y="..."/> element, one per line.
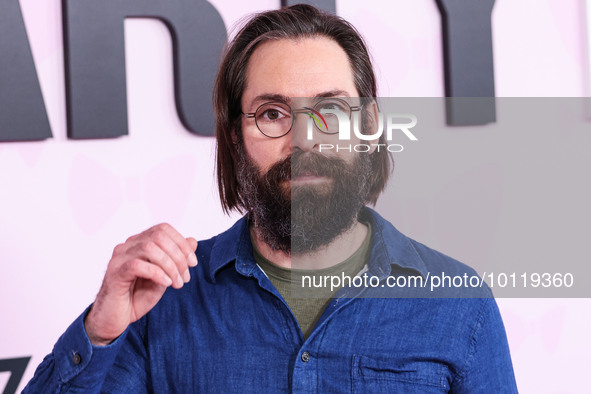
<point x="276" y="119"/>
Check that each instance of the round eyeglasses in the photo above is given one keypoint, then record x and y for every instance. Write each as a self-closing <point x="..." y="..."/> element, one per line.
<point x="275" y="119"/>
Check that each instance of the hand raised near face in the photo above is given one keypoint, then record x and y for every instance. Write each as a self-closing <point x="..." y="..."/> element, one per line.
<point x="138" y="273"/>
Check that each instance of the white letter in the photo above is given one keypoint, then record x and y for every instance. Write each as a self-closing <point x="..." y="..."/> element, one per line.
<point x="395" y="151"/>
<point x="310" y="126"/>
<point x="367" y="137"/>
<point x="304" y="277"/>
<point x="344" y="124"/>
<point x="404" y="126"/>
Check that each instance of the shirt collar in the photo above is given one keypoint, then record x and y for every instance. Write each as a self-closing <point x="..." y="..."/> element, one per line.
<point x="233" y="245"/>
<point x="389" y="247"/>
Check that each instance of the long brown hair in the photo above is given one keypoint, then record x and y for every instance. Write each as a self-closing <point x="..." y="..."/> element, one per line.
<point x="298" y="21"/>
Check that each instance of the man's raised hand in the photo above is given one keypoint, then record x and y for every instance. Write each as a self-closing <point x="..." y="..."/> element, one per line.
<point x="139" y="272"/>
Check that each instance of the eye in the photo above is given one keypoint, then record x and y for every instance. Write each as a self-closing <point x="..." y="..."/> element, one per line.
<point x="272" y="113"/>
<point x="332" y="105"/>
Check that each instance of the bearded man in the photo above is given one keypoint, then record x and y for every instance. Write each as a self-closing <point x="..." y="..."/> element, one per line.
<point x="235" y="322"/>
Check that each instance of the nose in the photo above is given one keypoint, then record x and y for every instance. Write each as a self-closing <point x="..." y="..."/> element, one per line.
<point x="303" y="135"/>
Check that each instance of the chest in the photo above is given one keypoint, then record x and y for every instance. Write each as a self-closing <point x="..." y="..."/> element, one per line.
<point x="359" y="345"/>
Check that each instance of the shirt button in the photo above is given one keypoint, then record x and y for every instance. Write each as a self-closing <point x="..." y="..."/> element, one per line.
<point x="76" y="358"/>
<point x="305" y="357"/>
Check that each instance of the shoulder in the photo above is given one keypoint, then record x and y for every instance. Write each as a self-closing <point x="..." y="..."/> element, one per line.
<point x="440" y="262"/>
<point x="449" y="277"/>
<point x="223" y="248"/>
<point x="440" y="271"/>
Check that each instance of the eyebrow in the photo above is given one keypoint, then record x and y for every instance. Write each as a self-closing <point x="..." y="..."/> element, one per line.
<point x="266" y="97"/>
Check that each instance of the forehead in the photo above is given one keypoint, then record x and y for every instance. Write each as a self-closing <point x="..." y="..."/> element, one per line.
<point x="305" y="67"/>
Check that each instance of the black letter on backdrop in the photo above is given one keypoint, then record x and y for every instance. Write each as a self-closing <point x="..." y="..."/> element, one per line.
<point x="22" y="111"/>
<point x="326" y="5"/>
<point x="95" y="61"/>
<point x="468" y="58"/>
<point x="16" y="367"/>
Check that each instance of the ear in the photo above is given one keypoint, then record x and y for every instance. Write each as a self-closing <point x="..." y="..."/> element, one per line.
<point x="234" y="137"/>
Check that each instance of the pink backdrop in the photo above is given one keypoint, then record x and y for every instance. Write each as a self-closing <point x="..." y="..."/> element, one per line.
<point x="65" y="204"/>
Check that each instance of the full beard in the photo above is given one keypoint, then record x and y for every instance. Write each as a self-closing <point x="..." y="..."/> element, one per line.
<point x="304" y="218"/>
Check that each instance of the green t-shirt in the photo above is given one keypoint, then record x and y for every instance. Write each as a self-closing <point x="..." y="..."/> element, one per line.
<point x="308" y="303"/>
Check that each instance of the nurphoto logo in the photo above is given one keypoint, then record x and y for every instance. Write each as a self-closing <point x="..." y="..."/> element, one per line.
<point x="337" y="116"/>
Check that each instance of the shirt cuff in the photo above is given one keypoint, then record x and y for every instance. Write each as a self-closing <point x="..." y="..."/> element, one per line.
<point x="76" y="357"/>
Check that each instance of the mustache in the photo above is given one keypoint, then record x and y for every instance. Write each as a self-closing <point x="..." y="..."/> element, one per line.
<point x="301" y="163"/>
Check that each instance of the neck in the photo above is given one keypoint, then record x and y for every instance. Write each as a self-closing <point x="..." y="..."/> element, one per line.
<point x="340" y="249"/>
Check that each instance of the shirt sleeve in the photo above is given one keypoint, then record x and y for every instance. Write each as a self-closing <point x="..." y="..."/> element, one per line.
<point x="488" y="367"/>
<point x="77" y="366"/>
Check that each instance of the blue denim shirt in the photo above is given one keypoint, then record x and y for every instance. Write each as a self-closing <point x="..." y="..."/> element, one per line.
<point x="229" y="330"/>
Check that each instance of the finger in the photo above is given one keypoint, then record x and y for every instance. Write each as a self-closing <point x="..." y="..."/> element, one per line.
<point x="181" y="242"/>
<point x="131" y="241"/>
<point x="164" y="238"/>
<point x="125" y="246"/>
<point x="148" y="250"/>
<point x="193" y="258"/>
<point x="192" y="243"/>
<point x="138" y="268"/>
<point x="146" y="233"/>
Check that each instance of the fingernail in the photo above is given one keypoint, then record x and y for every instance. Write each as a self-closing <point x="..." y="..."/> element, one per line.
<point x="192" y="260"/>
<point x="168" y="281"/>
<point x="179" y="281"/>
<point x="186" y="276"/>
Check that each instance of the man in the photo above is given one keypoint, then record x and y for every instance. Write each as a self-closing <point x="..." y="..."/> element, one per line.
<point x="235" y="323"/>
